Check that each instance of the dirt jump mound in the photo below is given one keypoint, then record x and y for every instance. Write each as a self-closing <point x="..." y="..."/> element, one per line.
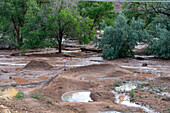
<point x="38" y="65"/>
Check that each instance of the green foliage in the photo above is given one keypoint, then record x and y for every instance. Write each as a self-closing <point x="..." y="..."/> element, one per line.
<point x="159" y="45"/>
<point x="151" y="92"/>
<point x="132" y="93"/>
<point x="117" y="83"/>
<point x="50" y="101"/>
<point x="64" y="20"/>
<point x="119" y="40"/>
<point x="98" y="11"/>
<point x="12" y="14"/>
<point x="146" y="84"/>
<point x="20" y="95"/>
<point x="22" y="51"/>
<point x="37" y="95"/>
<point x="133" y="10"/>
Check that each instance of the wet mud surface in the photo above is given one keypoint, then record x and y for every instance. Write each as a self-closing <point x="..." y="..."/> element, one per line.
<point x="108" y="84"/>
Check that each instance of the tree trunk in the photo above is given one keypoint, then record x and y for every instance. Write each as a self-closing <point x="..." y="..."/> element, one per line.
<point x="60" y="40"/>
<point x="59" y="46"/>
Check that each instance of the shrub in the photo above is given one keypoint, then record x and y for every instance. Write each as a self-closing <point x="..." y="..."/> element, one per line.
<point x="159" y="45"/>
<point x="117" y="83"/>
<point x="132" y="93"/>
<point x="20" y="95"/>
<point x="119" y="40"/>
<point x="36" y="95"/>
<point x="50" y="101"/>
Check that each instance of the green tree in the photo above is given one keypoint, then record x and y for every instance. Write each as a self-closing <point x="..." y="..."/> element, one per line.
<point x="12" y="15"/>
<point x="160" y="44"/>
<point x="98" y="11"/>
<point x="34" y="29"/>
<point x="64" y="20"/>
<point x="146" y="10"/>
<point x="119" y="40"/>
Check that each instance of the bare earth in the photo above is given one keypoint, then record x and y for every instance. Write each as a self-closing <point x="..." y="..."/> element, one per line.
<point x="85" y="71"/>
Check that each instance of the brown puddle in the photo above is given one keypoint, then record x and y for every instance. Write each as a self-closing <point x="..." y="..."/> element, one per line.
<point x="29" y="79"/>
<point x="147" y="75"/>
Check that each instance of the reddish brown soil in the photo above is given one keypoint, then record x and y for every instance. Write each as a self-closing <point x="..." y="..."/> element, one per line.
<point x="155" y="101"/>
<point x="29" y="79"/>
<point x="4" y="81"/>
<point x="147" y="75"/>
<point x="38" y="65"/>
<point x="71" y="80"/>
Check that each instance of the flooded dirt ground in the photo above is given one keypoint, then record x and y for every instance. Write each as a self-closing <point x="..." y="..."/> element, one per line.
<point x="86" y="71"/>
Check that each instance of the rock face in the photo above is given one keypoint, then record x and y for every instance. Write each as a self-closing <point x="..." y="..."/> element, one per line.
<point x="38" y="65"/>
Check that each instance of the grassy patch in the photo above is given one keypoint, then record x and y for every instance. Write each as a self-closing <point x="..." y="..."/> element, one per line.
<point x="20" y="95"/>
<point x="132" y="93"/>
<point x="50" y="101"/>
<point x="117" y="83"/>
<point x="151" y="92"/>
<point x="36" y="95"/>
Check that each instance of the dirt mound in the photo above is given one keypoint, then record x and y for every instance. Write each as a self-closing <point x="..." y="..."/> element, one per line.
<point x="60" y="85"/>
<point x="38" y="65"/>
<point x="102" y="96"/>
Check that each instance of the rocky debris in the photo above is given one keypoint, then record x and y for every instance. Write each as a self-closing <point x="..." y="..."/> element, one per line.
<point x="38" y="65"/>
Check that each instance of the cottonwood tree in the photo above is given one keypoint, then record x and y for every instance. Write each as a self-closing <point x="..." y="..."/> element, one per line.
<point x="97" y="11"/>
<point x="64" y="20"/>
<point x="146" y="10"/>
<point x="12" y="15"/>
<point x="34" y="29"/>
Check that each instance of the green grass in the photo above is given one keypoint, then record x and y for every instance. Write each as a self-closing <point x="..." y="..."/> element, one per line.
<point x="50" y="101"/>
<point x="117" y="83"/>
<point x="132" y="93"/>
<point x="61" y="87"/>
<point x="146" y="84"/>
<point x="36" y="95"/>
<point x="20" y="95"/>
<point x="151" y="92"/>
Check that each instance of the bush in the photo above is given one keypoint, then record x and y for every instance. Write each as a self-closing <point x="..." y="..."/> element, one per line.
<point x="20" y="95"/>
<point x="160" y="45"/>
<point x="132" y="93"/>
<point x="119" y="40"/>
<point x="50" y="101"/>
<point x="36" y="95"/>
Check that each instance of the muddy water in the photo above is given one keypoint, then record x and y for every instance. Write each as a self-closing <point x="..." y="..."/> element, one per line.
<point x="127" y="87"/>
<point x="124" y="98"/>
<point x="77" y="96"/>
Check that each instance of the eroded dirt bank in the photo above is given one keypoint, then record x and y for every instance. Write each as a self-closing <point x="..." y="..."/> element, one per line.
<point x="89" y="73"/>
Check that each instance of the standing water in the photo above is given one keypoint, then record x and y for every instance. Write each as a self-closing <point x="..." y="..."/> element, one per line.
<point x="77" y="96"/>
<point x="124" y="98"/>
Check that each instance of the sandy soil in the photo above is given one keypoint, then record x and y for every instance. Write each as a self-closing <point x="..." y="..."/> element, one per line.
<point x="88" y="72"/>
